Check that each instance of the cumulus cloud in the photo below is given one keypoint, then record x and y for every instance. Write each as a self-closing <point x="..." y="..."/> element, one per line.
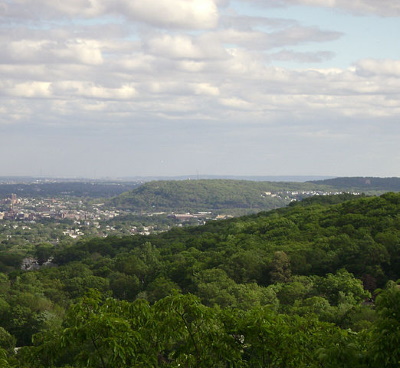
<point x="184" y="47"/>
<point x="206" y="89"/>
<point x="92" y="90"/>
<point x="66" y="90"/>
<point x="189" y="14"/>
<point x="48" y="51"/>
<point x="269" y="93"/>
<point x="181" y="14"/>
<point x="28" y="89"/>
<point x="373" y="67"/>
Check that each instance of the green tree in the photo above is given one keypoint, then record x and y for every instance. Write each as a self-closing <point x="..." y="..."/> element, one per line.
<point x="274" y="340"/>
<point x="43" y="252"/>
<point x="192" y="335"/>
<point x="336" y="287"/>
<point x="125" y="287"/>
<point x="280" y="270"/>
<point x="7" y="341"/>
<point x="384" y="348"/>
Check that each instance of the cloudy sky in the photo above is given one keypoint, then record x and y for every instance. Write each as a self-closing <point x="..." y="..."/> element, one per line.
<point x="117" y="88"/>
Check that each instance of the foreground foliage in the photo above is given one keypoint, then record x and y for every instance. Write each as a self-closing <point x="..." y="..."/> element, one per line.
<point x="179" y="331"/>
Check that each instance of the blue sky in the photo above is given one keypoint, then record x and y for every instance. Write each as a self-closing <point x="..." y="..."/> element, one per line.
<point x="363" y="35"/>
<point x="118" y="88"/>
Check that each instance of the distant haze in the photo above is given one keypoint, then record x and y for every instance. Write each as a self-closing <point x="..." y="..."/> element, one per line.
<point x="28" y="179"/>
<point x="251" y="178"/>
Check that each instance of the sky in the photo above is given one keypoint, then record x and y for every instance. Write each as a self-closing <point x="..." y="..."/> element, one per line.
<point x="122" y="88"/>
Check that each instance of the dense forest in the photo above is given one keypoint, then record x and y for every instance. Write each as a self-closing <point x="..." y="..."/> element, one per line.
<point x="309" y="285"/>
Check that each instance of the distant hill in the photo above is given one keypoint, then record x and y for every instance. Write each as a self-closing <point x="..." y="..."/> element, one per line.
<point x="198" y="195"/>
<point x="366" y="184"/>
<point x="69" y="188"/>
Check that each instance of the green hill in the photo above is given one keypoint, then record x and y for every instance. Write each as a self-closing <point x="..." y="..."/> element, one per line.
<point x="240" y="196"/>
<point x="364" y="184"/>
<point x="201" y="195"/>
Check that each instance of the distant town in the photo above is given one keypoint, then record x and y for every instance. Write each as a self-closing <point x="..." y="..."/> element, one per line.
<point x="73" y="217"/>
<point x="36" y="209"/>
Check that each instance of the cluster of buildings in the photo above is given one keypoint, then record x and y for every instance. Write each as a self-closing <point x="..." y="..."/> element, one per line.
<point x="200" y="216"/>
<point x="296" y="195"/>
<point x="33" y="209"/>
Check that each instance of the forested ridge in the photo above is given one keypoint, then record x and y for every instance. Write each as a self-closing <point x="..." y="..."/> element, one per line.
<point x="229" y="194"/>
<point x="362" y="183"/>
<point x="309" y="285"/>
<point x="208" y="195"/>
<point x="77" y="189"/>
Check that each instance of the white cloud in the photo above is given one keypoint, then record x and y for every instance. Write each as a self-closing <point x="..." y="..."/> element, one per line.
<point x="92" y="90"/>
<point x="181" y="14"/>
<point x="27" y="89"/>
<point x="193" y="66"/>
<point x="241" y="81"/>
<point x="205" y="89"/>
<point x="184" y="47"/>
<point x="187" y="14"/>
<point x="50" y="51"/>
<point x="236" y="103"/>
<point x="135" y="62"/>
<point x="86" y="51"/>
<point x="370" y="67"/>
<point x="66" y="90"/>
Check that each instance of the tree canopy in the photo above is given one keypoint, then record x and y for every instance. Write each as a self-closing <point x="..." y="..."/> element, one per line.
<point x="310" y="285"/>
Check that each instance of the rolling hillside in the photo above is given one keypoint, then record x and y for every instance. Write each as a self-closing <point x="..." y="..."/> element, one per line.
<point x="364" y="184"/>
<point x="207" y="195"/>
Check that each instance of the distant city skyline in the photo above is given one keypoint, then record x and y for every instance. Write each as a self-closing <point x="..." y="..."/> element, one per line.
<point x="131" y="88"/>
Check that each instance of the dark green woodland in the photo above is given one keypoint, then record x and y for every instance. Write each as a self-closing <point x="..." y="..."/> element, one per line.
<point x="313" y="284"/>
